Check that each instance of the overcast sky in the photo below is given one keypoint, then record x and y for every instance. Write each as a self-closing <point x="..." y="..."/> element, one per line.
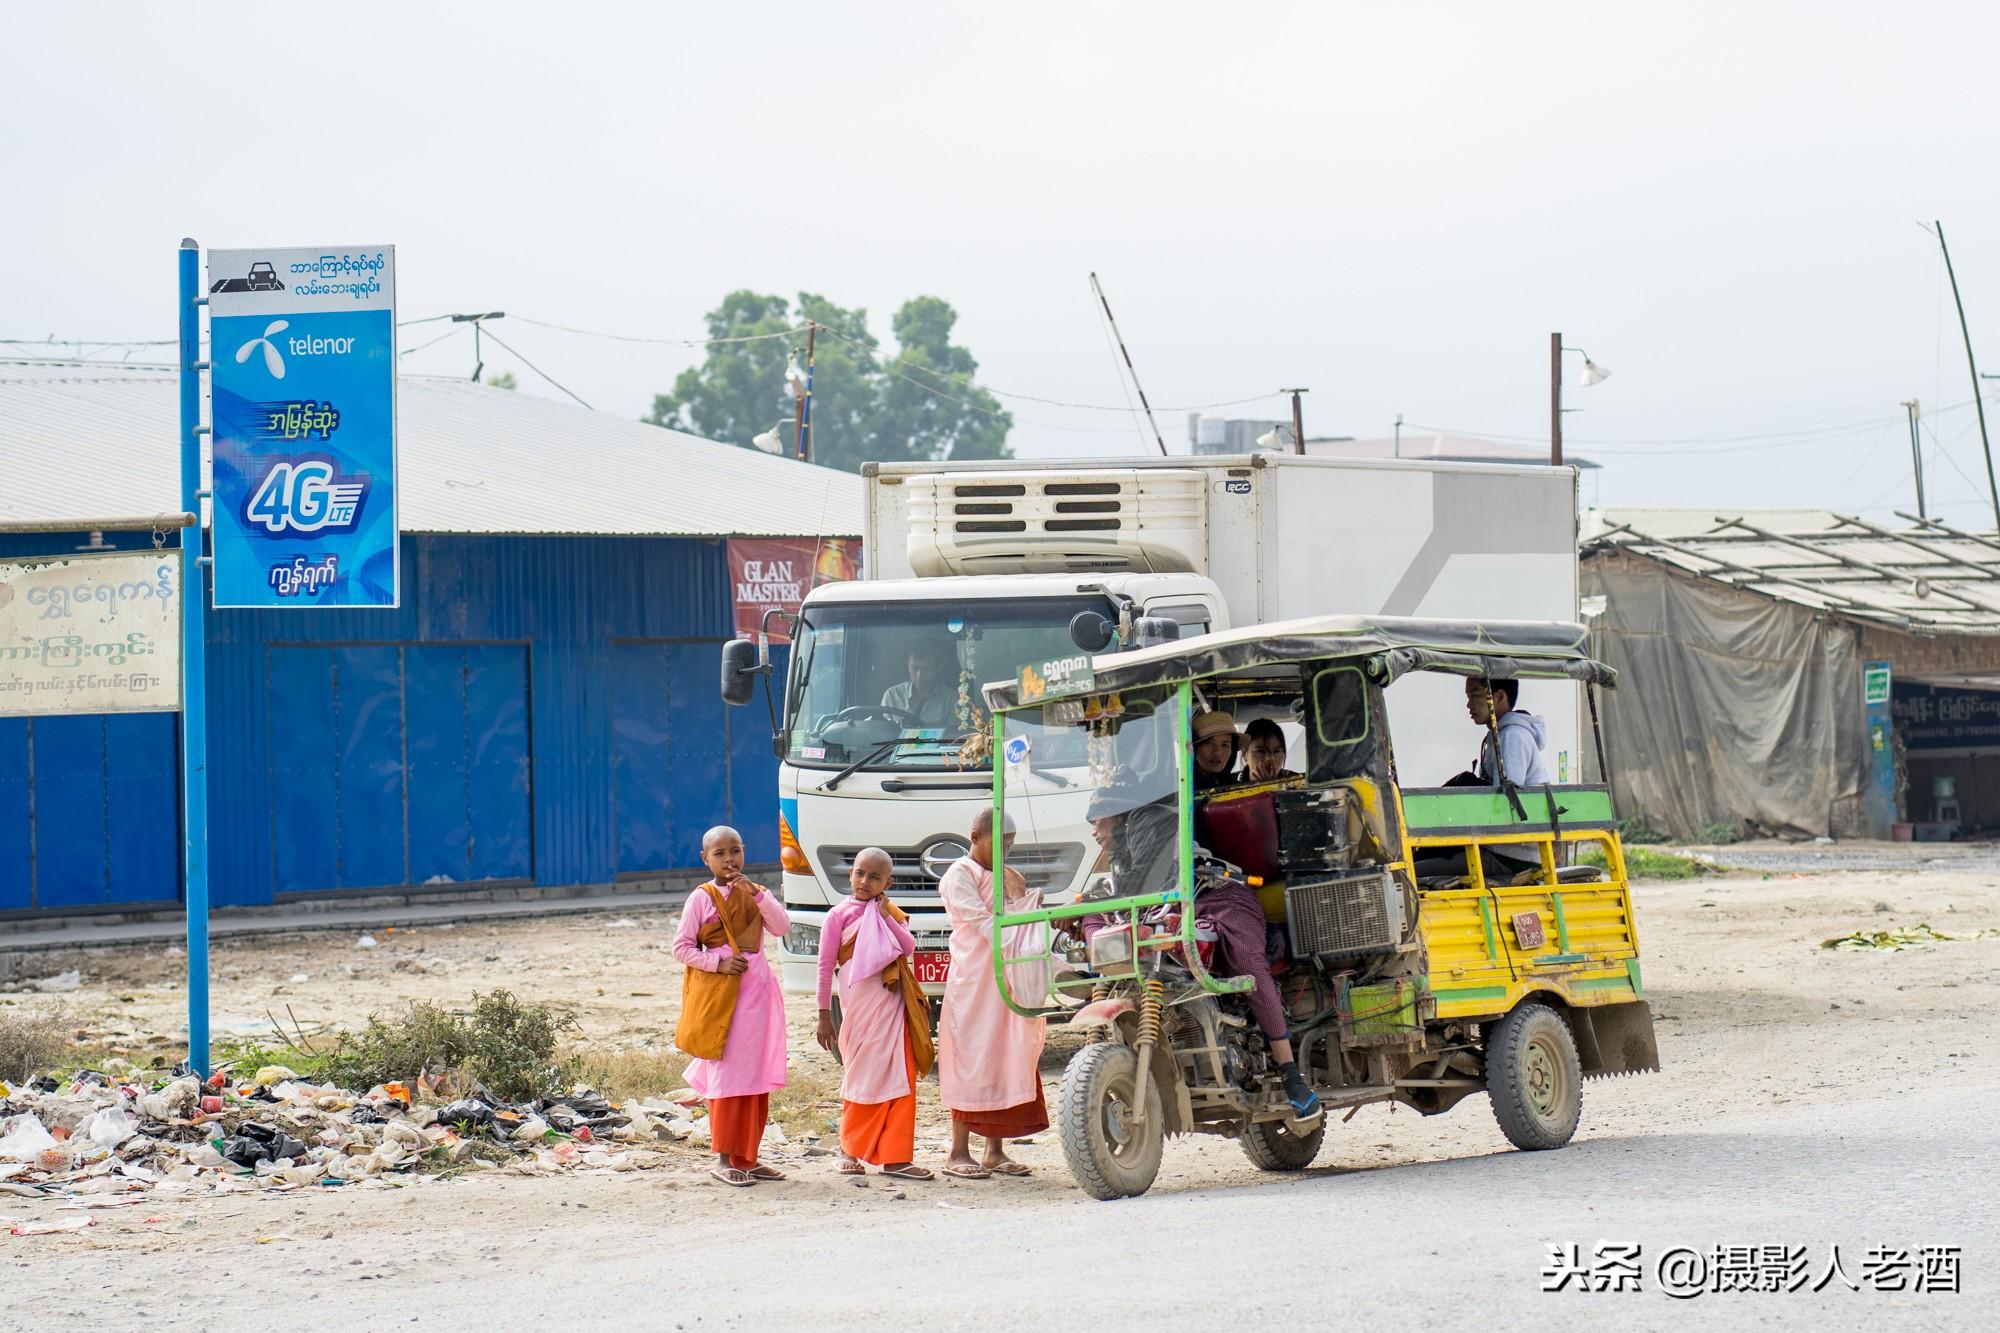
<point x="1392" y="205"/>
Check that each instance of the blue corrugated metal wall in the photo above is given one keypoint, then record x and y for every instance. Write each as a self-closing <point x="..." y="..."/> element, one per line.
<point x="538" y="710"/>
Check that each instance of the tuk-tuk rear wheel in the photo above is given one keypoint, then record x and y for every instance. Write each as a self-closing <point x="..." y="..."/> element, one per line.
<point x="1112" y="1153"/>
<point x="1535" y="1078"/>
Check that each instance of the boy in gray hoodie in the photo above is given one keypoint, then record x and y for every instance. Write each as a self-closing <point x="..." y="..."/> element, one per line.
<point x="1521" y="734"/>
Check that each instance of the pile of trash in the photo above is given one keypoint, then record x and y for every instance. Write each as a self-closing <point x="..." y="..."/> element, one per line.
<point x="1906" y="937"/>
<point x="105" y="1135"/>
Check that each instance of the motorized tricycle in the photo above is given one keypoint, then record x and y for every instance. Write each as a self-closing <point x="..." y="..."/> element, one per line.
<point x="1427" y="943"/>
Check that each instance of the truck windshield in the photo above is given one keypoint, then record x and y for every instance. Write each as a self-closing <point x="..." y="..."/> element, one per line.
<point x="904" y="677"/>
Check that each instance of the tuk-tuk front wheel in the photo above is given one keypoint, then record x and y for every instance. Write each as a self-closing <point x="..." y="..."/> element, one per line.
<point x="1534" y="1077"/>
<point x="1282" y="1145"/>
<point x="1112" y="1152"/>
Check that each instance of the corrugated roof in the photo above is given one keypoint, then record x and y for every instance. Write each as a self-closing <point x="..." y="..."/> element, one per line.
<point x="1430" y="447"/>
<point x="78" y="440"/>
<point x="1922" y="576"/>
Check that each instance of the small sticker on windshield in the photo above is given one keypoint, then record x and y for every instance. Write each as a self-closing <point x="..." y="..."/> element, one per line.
<point x="1016" y="749"/>
<point x="956" y="625"/>
<point x="812" y="752"/>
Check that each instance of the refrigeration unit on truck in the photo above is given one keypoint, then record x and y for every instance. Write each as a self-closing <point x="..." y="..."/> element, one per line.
<point x="974" y="569"/>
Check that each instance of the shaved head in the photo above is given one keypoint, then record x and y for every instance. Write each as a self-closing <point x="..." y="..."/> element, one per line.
<point x="717" y="834"/>
<point x="982" y="823"/>
<point x="875" y="856"/>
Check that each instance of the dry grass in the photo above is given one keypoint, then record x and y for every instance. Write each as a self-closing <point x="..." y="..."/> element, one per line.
<point x="33" y="1043"/>
<point x="621" y="1074"/>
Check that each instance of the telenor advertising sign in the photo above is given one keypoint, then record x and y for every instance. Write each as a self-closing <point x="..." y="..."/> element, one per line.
<point x="90" y="634"/>
<point x="303" y="355"/>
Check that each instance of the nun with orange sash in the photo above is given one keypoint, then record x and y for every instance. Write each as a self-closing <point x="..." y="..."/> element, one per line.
<point x="732" y="1010"/>
<point x="885" y="1033"/>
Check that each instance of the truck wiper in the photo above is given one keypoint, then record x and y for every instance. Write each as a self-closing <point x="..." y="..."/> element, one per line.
<point x="884" y="748"/>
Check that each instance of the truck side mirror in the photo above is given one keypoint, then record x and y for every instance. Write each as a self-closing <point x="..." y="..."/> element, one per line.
<point x="1149" y="630"/>
<point x="1090" y="631"/>
<point x="740" y="670"/>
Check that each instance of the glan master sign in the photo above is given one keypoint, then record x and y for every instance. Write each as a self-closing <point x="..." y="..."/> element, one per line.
<point x="90" y="634"/>
<point x="304" y="378"/>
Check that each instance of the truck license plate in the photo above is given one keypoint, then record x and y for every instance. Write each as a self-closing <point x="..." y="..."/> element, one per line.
<point x="932" y="968"/>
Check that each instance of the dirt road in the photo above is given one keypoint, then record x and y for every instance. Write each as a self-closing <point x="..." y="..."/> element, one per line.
<point x="1809" y="1096"/>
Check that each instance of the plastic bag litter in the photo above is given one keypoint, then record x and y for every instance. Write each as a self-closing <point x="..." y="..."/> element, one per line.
<point x="24" y="1138"/>
<point x="365" y="942"/>
<point x="534" y="1127"/>
<point x="109" y="1127"/>
<point x="61" y="981"/>
<point x="179" y="1100"/>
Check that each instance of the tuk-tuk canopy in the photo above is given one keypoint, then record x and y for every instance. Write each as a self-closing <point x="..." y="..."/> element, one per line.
<point x="1391" y="645"/>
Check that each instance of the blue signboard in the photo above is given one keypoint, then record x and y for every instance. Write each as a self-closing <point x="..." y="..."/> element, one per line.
<point x="303" y="356"/>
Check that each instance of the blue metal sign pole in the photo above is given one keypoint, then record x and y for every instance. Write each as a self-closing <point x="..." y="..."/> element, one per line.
<point x="194" y="664"/>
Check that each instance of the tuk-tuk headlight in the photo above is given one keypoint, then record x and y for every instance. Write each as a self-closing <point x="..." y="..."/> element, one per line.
<point x="1111" y="949"/>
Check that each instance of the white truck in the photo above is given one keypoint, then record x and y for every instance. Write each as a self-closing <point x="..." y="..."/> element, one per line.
<point x="974" y="569"/>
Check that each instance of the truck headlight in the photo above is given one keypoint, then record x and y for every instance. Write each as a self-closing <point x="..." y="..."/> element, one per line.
<point x="802" y="940"/>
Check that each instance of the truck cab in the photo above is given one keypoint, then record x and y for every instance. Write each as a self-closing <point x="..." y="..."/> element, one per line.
<point x="872" y="757"/>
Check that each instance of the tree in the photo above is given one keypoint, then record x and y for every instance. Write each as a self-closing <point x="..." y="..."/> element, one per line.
<point x="504" y="380"/>
<point x="930" y="406"/>
<point x="919" y="404"/>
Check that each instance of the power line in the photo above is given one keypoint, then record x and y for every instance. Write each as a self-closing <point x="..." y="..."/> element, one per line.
<point x="537" y="369"/>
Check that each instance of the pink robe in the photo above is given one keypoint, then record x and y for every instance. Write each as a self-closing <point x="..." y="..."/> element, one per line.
<point x="873" y="1021"/>
<point x="987" y="1054"/>
<point x="753" y="1055"/>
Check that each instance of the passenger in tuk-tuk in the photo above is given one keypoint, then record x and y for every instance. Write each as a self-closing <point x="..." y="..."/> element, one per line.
<point x="1518" y="758"/>
<point x="1142" y="837"/>
<point x="1216" y="745"/>
<point x="1264" y="752"/>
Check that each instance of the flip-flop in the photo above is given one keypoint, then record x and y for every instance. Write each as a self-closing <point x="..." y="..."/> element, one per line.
<point x="1009" y="1168"/>
<point x="766" y="1173"/>
<point x="730" y="1175"/>
<point x="967" y="1172"/>
<point x="910" y="1172"/>
<point x="851" y="1167"/>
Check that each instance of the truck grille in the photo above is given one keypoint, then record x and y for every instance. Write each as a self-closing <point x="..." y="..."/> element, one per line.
<point x="1046" y="866"/>
<point x="1344" y="915"/>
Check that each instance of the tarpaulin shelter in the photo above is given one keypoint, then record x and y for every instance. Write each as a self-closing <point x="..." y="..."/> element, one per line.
<point x="1775" y="667"/>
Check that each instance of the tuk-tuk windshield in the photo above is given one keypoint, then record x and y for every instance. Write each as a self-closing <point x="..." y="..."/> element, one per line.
<point x="1107" y="768"/>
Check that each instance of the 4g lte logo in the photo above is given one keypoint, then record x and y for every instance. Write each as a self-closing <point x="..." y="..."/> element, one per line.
<point x="306" y="495"/>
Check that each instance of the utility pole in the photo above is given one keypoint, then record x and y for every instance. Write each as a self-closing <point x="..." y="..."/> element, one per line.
<point x="1555" y="400"/>
<point x="1916" y="456"/>
<point x="1399" y="435"/>
<point x="1298" y="421"/>
<point x="1992" y="486"/>
<point x="806" y="398"/>
<point x="479" y="352"/>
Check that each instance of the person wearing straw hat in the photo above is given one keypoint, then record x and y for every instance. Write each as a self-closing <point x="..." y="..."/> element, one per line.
<point x="1216" y="745"/>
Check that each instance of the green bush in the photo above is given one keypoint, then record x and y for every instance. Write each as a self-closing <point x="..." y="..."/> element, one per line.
<point x="507" y="1045"/>
<point x="1645" y="863"/>
<point x="1637" y="830"/>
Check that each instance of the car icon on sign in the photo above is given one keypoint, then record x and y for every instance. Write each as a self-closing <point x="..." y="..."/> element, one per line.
<point x="261" y="278"/>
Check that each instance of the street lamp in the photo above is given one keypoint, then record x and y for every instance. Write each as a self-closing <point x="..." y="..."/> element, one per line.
<point x="1592" y="374"/>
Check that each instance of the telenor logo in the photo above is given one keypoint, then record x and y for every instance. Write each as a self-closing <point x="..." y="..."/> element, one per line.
<point x="272" y="361"/>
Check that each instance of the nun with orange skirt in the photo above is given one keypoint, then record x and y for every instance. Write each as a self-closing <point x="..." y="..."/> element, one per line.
<point x="884" y="1038"/>
<point x="732" y="1010"/>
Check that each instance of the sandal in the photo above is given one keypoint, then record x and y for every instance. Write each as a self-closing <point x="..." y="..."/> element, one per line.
<point x="766" y="1173"/>
<point x="1009" y="1168"/>
<point x="730" y="1175"/>
<point x="967" y="1172"/>
<point x="909" y="1171"/>
<point x="853" y="1167"/>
